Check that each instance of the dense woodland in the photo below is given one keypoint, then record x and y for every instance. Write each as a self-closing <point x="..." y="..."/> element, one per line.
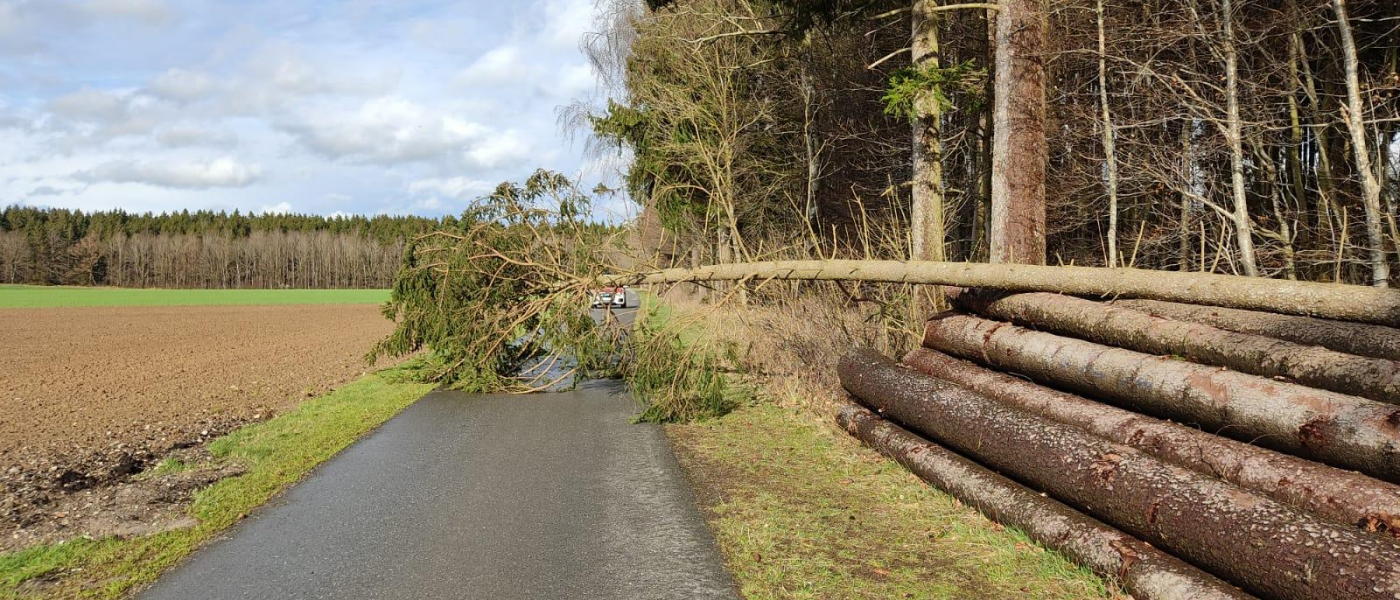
<point x="202" y="249"/>
<point x="1252" y="137"/>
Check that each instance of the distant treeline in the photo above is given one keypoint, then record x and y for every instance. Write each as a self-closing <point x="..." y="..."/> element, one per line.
<point x="203" y="249"/>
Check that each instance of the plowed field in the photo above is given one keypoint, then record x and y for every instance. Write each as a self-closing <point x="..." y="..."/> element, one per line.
<point x="89" y="396"/>
<point x="75" y="378"/>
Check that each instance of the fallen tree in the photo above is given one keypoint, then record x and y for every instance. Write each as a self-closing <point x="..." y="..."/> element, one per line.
<point x="1145" y="572"/>
<point x="1117" y="325"/>
<point x="1341" y="430"/>
<point x="1333" y="301"/>
<point x="1267" y="547"/>
<point x="1346" y="497"/>
<point x="1353" y="338"/>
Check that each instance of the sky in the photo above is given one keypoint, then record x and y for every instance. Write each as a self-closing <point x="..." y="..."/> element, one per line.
<point x="305" y="106"/>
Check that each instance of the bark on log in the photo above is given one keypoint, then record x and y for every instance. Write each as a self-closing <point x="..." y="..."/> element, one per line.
<point x="1264" y="546"/>
<point x="1353" y="338"/>
<point x="1344" y="431"/>
<point x="1374" y="378"/>
<point x="1145" y="572"/>
<point x="1346" y="497"/>
<point x="1333" y="301"/>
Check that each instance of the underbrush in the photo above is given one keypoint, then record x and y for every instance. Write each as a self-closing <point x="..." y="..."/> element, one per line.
<point x="677" y="369"/>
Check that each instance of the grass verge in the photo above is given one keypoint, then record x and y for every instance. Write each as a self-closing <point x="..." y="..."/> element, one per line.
<point x="29" y="296"/>
<point x="275" y="453"/>
<point x="802" y="511"/>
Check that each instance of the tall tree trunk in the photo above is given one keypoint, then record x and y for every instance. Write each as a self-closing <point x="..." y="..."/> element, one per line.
<point x="1353" y="115"/>
<point x="1265" y="546"/>
<point x="1109" y="142"/>
<point x="927" y="209"/>
<point x="1187" y="164"/>
<point x="1235" y="139"/>
<point x="1146" y="572"/>
<point x="1327" y="300"/>
<point x="1020" y="151"/>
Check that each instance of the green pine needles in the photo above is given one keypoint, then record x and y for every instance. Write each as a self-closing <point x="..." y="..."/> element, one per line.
<point x="507" y="285"/>
<point x="911" y="85"/>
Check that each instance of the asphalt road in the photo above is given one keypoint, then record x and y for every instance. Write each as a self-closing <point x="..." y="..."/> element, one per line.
<point x="501" y="497"/>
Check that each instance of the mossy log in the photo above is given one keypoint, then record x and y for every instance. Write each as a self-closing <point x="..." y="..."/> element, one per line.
<point x="1340" y="430"/>
<point x="1264" y="546"/>
<point x="1345" y="497"/>
<point x="1145" y="572"/>
<point x="1374" y="378"/>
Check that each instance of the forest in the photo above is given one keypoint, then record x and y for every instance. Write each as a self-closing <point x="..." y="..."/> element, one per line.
<point x="1256" y="138"/>
<point x="203" y="249"/>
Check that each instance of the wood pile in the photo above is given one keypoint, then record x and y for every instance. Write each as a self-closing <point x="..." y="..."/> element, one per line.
<point x="1185" y="451"/>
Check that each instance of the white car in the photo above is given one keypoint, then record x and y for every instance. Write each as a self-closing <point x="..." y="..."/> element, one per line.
<point x="615" y="297"/>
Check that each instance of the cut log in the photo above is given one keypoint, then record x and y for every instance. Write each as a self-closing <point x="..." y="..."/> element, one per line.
<point x="1346" y="497"/>
<point x="1330" y="300"/>
<point x="1264" y="546"/>
<point x="1374" y="378"/>
<point x="1145" y="572"/>
<point x="1340" y="430"/>
<point x="1353" y="338"/>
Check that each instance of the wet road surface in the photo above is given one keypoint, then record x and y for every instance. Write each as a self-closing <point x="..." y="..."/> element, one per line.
<point x="502" y="497"/>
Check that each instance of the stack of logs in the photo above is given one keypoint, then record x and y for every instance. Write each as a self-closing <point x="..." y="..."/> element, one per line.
<point x="1180" y="450"/>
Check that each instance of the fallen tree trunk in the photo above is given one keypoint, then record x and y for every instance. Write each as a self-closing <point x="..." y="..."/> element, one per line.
<point x="1334" y="301"/>
<point x="1145" y="572"/>
<point x="1264" y="546"/>
<point x="1116" y="325"/>
<point x="1353" y="338"/>
<point x="1345" y="497"/>
<point x="1341" y="430"/>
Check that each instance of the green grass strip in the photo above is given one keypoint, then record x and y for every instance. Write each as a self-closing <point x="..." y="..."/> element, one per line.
<point x="29" y="296"/>
<point x="804" y="511"/>
<point x="276" y="453"/>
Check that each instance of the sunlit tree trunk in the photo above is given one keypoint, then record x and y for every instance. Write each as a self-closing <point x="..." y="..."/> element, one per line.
<point x="1370" y="184"/>
<point x="1020" y="151"/>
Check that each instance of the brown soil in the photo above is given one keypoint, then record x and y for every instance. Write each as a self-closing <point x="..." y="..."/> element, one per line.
<point x="91" y="397"/>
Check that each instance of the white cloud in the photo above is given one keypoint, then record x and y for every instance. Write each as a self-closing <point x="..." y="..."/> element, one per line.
<point x="395" y="130"/>
<point x="180" y="136"/>
<point x="281" y="208"/>
<point x="369" y="98"/>
<point x="220" y="173"/>
<point x="151" y="12"/>
<point x="575" y="80"/>
<point x="385" y="130"/>
<point x="500" y="150"/>
<point x="502" y="65"/>
<point x="90" y="105"/>
<point x="566" y="21"/>
<point x="182" y="85"/>
<point x="461" y="188"/>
